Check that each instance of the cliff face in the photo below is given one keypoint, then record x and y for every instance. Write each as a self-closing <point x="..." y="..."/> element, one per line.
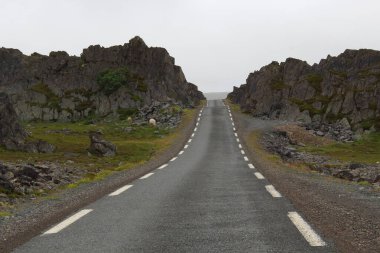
<point x="99" y="82"/>
<point x="346" y="86"/>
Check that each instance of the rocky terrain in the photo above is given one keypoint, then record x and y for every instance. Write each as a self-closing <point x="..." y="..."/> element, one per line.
<point x="286" y="141"/>
<point x="343" y="87"/>
<point x="101" y="82"/>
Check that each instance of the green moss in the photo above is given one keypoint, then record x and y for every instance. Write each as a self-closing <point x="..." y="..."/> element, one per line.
<point x="53" y="101"/>
<point x="124" y="113"/>
<point x="5" y="214"/>
<point x="279" y="85"/>
<point x="306" y="105"/>
<point x="366" y="150"/>
<point x="315" y="81"/>
<point x="341" y="74"/>
<point x="367" y="124"/>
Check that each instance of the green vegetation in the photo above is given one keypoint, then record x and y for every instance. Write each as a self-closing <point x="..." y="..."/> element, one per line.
<point x="306" y="105"/>
<point x="367" y="124"/>
<point x="5" y="214"/>
<point x="52" y="100"/>
<point x="341" y="74"/>
<point x="366" y="150"/>
<point x="315" y="82"/>
<point x="111" y="80"/>
<point x="279" y="85"/>
<point x="133" y="148"/>
<point x="124" y="113"/>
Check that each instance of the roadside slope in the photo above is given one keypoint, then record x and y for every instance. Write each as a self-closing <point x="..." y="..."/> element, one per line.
<point x="346" y="212"/>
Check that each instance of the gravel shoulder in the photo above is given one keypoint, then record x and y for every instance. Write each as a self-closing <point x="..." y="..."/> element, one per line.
<point x="33" y="217"/>
<point x="344" y="212"/>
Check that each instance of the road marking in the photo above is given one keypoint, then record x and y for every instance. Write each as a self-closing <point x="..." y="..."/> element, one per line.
<point x="242" y="152"/>
<point x="308" y="233"/>
<point x="189" y="141"/>
<point x="186" y="146"/>
<point x="237" y="139"/>
<point x="147" y="175"/>
<point x="192" y="135"/>
<point x="195" y="129"/>
<point x="197" y="124"/>
<point x="119" y="191"/>
<point x="233" y="124"/>
<point x="173" y="159"/>
<point x="273" y="191"/>
<point x="200" y="114"/>
<point x="68" y="222"/>
<point x="245" y="158"/>
<point x="163" y="166"/>
<point x="240" y="146"/>
<point x="180" y="153"/>
<point x="250" y="165"/>
<point x="259" y="175"/>
<point x="234" y="129"/>
<point x="236" y="134"/>
<point x="199" y="118"/>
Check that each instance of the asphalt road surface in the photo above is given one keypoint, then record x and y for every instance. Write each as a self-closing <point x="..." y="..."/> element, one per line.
<point x="209" y="198"/>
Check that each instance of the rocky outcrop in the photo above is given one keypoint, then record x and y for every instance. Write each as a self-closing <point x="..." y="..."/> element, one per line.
<point x="98" y="83"/>
<point x="99" y="146"/>
<point x="346" y="86"/>
<point x="12" y="135"/>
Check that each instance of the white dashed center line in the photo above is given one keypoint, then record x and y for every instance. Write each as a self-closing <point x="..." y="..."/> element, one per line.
<point x="121" y="190"/>
<point x="308" y="233"/>
<point x="273" y="191"/>
<point x="68" y="222"/>
<point x="147" y="175"/>
<point x="163" y="166"/>
<point x="259" y="175"/>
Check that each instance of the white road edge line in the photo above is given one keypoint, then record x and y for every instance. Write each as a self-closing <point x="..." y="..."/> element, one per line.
<point x="189" y="140"/>
<point x="186" y="146"/>
<point x="163" y="166"/>
<point x="68" y="222"/>
<point x="237" y="139"/>
<point x="192" y="135"/>
<point x="259" y="175"/>
<point x="147" y="175"/>
<point x="250" y="165"/>
<point x="245" y="158"/>
<point x="236" y="134"/>
<point x="195" y="129"/>
<point x="273" y="191"/>
<point x="234" y="129"/>
<point x="240" y="146"/>
<point x="120" y="190"/>
<point x="181" y="152"/>
<point x="242" y="152"/>
<point x="197" y="124"/>
<point x="308" y="233"/>
<point x="173" y="159"/>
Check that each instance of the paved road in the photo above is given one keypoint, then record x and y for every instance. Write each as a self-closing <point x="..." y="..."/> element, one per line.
<point x="206" y="200"/>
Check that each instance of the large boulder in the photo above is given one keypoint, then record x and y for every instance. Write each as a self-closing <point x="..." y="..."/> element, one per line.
<point x="12" y="135"/>
<point x="99" y="146"/>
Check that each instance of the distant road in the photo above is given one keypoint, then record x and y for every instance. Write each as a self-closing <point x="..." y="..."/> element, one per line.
<point x="216" y="95"/>
<point x="209" y="198"/>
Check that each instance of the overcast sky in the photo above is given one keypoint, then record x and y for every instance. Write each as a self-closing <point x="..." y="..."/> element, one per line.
<point x="217" y="42"/>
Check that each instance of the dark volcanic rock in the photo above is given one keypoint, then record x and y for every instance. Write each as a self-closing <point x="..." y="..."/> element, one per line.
<point x="346" y="86"/>
<point x="100" y="82"/>
<point x="11" y="133"/>
<point x="99" y="146"/>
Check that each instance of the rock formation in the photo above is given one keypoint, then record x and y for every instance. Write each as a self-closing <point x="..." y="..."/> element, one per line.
<point x="99" y="146"/>
<point x="100" y="82"/>
<point x="12" y="135"/>
<point x="338" y="88"/>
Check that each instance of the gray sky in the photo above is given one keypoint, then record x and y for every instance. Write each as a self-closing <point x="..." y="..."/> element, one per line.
<point x="217" y="43"/>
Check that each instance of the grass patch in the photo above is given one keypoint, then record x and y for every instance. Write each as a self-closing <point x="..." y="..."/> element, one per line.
<point x="5" y="214"/>
<point x="133" y="148"/>
<point x="366" y="150"/>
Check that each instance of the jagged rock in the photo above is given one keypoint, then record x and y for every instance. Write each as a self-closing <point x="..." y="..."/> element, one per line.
<point x="99" y="146"/>
<point x="63" y="87"/>
<point x="12" y="135"/>
<point x="343" y="89"/>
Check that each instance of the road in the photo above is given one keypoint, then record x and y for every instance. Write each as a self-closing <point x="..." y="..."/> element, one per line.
<point x="209" y="198"/>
